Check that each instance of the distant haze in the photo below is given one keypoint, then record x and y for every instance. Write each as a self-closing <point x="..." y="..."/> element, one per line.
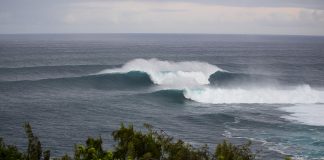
<point x="295" y="17"/>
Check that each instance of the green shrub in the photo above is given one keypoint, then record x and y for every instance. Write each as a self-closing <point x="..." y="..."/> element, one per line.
<point x="92" y="151"/>
<point x="288" y="158"/>
<point x="153" y="144"/>
<point x="133" y="144"/>
<point x="34" y="151"/>
<point x="9" y="152"/>
<point x="228" y="151"/>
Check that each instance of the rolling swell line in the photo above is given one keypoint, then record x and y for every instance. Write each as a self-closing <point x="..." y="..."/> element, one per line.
<point x="48" y="72"/>
<point x="122" y="81"/>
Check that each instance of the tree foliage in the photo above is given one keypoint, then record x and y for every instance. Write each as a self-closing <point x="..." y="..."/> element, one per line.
<point x="34" y="151"/>
<point x="133" y="144"/>
<point x="228" y="151"/>
<point x="156" y="144"/>
<point x="9" y="152"/>
<point x="91" y="151"/>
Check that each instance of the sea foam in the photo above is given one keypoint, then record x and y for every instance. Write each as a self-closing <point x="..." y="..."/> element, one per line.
<point x="303" y="94"/>
<point x="311" y="114"/>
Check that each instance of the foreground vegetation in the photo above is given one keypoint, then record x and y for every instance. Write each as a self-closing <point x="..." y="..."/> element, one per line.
<point x="131" y="145"/>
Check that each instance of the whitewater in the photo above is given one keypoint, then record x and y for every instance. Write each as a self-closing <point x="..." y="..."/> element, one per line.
<point x="193" y="78"/>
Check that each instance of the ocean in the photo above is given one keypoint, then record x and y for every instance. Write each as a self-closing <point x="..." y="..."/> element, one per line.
<point x="200" y="88"/>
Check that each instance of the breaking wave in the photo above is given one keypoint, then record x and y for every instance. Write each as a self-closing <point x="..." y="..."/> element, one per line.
<point x="206" y="83"/>
<point x="298" y="95"/>
<point x="168" y="73"/>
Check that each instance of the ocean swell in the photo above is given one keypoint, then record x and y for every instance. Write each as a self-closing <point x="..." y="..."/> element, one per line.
<point x="120" y="81"/>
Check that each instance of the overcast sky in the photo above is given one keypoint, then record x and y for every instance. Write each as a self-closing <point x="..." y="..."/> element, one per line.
<point x="297" y="17"/>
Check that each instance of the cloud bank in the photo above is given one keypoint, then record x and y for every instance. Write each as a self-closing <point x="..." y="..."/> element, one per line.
<point x="105" y="16"/>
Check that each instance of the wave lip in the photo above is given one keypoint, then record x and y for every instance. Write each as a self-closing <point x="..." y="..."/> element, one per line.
<point x="169" y="73"/>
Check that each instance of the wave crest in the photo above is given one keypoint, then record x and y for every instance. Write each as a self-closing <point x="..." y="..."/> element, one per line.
<point x="169" y="73"/>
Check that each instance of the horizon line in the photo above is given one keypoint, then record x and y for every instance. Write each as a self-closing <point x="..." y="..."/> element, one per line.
<point x="165" y="33"/>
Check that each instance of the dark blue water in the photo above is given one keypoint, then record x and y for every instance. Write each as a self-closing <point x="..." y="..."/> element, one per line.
<point x="200" y="88"/>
